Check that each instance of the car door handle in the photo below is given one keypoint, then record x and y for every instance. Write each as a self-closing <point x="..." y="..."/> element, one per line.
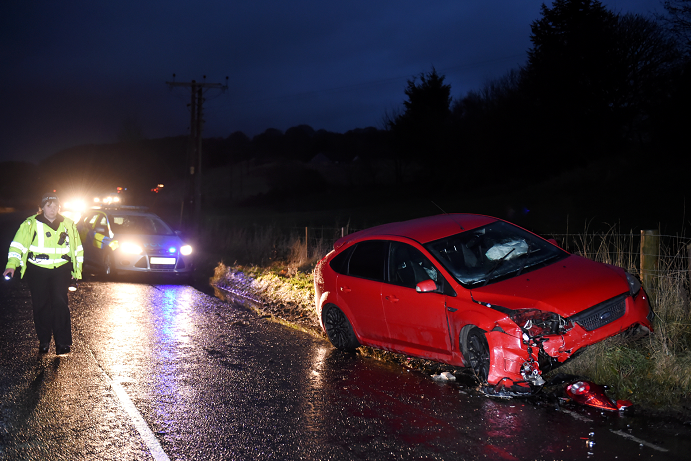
<point x="451" y="309"/>
<point x="346" y="289"/>
<point x="391" y="298"/>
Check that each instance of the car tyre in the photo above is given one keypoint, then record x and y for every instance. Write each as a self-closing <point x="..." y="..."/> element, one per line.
<point x="339" y="330"/>
<point x="476" y="352"/>
<point x="109" y="265"/>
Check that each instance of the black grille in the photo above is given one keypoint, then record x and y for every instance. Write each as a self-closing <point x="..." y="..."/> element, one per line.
<point x="601" y="314"/>
<point x="162" y="267"/>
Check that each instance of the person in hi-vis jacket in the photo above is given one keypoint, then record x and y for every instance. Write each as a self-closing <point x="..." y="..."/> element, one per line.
<point x="49" y="254"/>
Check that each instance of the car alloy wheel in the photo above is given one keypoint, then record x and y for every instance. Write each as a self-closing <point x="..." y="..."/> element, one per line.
<point x="476" y="353"/>
<point x="339" y="330"/>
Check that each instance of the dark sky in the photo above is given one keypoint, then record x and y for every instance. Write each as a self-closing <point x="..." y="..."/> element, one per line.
<point x="76" y="72"/>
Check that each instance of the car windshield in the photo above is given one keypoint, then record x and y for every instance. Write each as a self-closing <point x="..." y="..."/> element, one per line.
<point x="138" y="224"/>
<point x="491" y="253"/>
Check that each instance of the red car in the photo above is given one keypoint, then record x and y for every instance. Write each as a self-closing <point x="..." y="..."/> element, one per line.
<point x="475" y="291"/>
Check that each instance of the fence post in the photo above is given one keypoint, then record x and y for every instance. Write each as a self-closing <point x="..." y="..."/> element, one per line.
<point x="650" y="251"/>
<point x="307" y="243"/>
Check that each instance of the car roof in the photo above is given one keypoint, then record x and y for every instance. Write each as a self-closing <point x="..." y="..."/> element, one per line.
<point x="422" y="230"/>
<point x="125" y="210"/>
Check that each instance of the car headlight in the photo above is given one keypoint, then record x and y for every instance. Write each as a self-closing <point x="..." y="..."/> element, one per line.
<point x="185" y="250"/>
<point x="131" y="248"/>
<point x="634" y="284"/>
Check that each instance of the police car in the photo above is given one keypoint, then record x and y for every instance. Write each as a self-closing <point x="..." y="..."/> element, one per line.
<point x="130" y="239"/>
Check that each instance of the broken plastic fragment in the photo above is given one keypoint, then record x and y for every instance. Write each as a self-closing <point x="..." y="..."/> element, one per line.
<point x="448" y="376"/>
<point x="444" y="376"/>
<point x="591" y="394"/>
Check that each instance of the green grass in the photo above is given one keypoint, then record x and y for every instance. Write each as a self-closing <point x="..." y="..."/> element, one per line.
<point x="654" y="371"/>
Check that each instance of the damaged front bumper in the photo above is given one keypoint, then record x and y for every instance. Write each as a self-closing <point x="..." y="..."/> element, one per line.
<point x="521" y="352"/>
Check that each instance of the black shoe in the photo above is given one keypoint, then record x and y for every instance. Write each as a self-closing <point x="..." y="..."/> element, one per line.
<point x="43" y="348"/>
<point x="59" y="350"/>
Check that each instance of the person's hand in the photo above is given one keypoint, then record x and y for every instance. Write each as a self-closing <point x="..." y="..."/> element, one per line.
<point x="9" y="271"/>
<point x="73" y="285"/>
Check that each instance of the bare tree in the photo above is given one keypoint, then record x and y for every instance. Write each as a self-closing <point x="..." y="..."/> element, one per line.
<point x="679" y="21"/>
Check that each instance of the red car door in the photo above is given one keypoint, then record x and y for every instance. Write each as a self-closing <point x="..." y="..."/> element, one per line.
<point x="359" y="290"/>
<point x="417" y="322"/>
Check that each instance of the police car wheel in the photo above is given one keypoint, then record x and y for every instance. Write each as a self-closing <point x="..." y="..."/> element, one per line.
<point x="109" y="265"/>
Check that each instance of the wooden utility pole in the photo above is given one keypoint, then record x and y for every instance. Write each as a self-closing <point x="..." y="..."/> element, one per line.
<point x="194" y="147"/>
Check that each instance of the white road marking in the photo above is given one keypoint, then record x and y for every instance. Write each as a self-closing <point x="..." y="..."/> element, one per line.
<point x="636" y="439"/>
<point x="139" y="423"/>
<point x="137" y="419"/>
<point x="575" y="415"/>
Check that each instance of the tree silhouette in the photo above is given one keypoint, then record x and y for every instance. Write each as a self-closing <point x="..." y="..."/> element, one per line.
<point x="593" y="77"/>
<point x="679" y="21"/>
<point x="572" y="71"/>
<point x="421" y="131"/>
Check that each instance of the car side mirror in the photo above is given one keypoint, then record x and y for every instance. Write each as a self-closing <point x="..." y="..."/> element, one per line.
<point x="427" y="286"/>
<point x="553" y="242"/>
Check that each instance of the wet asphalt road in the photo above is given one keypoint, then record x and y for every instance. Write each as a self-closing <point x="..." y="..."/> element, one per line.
<point x="167" y="372"/>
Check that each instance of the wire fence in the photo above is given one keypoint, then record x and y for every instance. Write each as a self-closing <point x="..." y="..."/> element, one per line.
<point x="647" y="254"/>
<point x="320" y="236"/>
<point x="666" y="256"/>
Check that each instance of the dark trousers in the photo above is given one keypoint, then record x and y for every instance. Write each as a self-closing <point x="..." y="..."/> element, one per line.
<point x="49" y="297"/>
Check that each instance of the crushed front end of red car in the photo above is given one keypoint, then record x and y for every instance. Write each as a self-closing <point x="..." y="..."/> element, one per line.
<point x="529" y="340"/>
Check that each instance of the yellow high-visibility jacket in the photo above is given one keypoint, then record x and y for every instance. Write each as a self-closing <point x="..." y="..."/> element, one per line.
<point x="39" y="244"/>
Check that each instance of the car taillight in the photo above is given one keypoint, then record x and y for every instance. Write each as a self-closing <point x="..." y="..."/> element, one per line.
<point x="579" y="388"/>
<point x="593" y="395"/>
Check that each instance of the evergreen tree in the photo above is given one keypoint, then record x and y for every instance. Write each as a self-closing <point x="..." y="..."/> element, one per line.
<point x="421" y="131"/>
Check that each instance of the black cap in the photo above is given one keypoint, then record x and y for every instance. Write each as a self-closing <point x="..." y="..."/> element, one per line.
<point x="49" y="197"/>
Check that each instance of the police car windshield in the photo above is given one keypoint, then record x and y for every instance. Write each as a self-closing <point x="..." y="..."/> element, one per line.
<point x="139" y="225"/>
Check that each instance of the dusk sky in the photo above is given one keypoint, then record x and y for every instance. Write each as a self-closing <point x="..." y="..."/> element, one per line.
<point x="74" y="72"/>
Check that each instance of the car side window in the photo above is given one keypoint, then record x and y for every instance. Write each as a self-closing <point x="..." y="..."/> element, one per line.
<point x="102" y="221"/>
<point x="369" y="260"/>
<point x="92" y="219"/>
<point x="340" y="262"/>
<point x="408" y="266"/>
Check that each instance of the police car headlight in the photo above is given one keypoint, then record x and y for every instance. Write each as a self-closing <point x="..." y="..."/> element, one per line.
<point x="79" y="205"/>
<point x="186" y="250"/>
<point x="131" y="248"/>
